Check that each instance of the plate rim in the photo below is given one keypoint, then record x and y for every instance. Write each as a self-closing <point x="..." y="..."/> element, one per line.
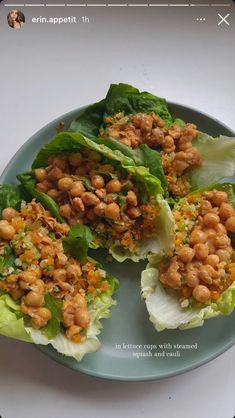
<point x="60" y="358"/>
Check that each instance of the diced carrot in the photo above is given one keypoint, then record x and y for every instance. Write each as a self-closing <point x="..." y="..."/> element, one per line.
<point x="76" y="338"/>
<point x="91" y="289"/>
<point x="36" y="237"/>
<point x="185" y="292"/>
<point x="215" y="295"/>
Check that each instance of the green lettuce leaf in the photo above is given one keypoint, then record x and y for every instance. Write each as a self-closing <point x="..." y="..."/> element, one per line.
<point x="52" y="328"/>
<point x="11" y="319"/>
<point x="28" y="184"/>
<point x="78" y="241"/>
<point x="125" y="98"/>
<point x="7" y="260"/>
<point x="142" y="155"/>
<point x="164" y="308"/>
<point x="218" y="155"/>
<point x="88" y="122"/>
<point x="10" y="197"/>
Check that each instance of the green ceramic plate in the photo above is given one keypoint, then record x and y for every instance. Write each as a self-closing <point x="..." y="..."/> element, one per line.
<point x="131" y="348"/>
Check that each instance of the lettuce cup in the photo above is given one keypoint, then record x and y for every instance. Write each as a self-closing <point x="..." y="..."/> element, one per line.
<point x="50" y="291"/>
<point x="86" y="183"/>
<point x="197" y="281"/>
<point x="145" y="131"/>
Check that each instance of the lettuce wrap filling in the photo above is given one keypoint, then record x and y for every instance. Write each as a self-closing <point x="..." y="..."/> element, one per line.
<point x="51" y="292"/>
<point x="197" y="281"/>
<point x="183" y="158"/>
<point x="92" y="185"/>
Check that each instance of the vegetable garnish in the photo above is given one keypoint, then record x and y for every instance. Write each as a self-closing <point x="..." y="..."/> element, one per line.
<point x="201" y="269"/>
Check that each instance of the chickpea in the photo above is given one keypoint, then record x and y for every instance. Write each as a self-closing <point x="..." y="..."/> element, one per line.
<point x="44" y="313"/>
<point x="44" y="186"/>
<point x="226" y="210"/>
<point x="80" y="301"/>
<point x="97" y="181"/>
<point x="65" y="184"/>
<point x="90" y="199"/>
<point x="219" y="198"/>
<point x="211" y="246"/>
<point x="65" y="210"/>
<point x="58" y="161"/>
<point x="220" y="229"/>
<point x="7" y="231"/>
<point x="186" y="254"/>
<point x="72" y="333"/>
<point x="101" y="193"/>
<point x="223" y="255"/>
<point x="74" y="271"/>
<point x="29" y="276"/>
<point x="17" y="293"/>
<point x="40" y="174"/>
<point x="78" y="204"/>
<point x="55" y="174"/>
<point x="201" y="293"/>
<point x="222" y="241"/>
<point x="112" y="211"/>
<point x="34" y="299"/>
<point x="99" y="209"/>
<point x="191" y="276"/>
<point x="8" y="214"/>
<point x="53" y="193"/>
<point x="113" y="186"/>
<point x="210" y="233"/>
<point x="107" y="168"/>
<point x="133" y="212"/>
<point x="38" y="286"/>
<point x="131" y="198"/>
<point x="77" y="189"/>
<point x="208" y="195"/>
<point x="213" y="260"/>
<point x="48" y="250"/>
<point x="230" y="224"/>
<point x="75" y="159"/>
<point x="205" y="207"/>
<point x="61" y="260"/>
<point x="173" y="278"/>
<point x="206" y="273"/>
<point x="82" y="317"/>
<point x="201" y="251"/>
<point x="94" y="156"/>
<point x="197" y="236"/>
<point x="59" y="275"/>
<point x="222" y="275"/>
<point x="210" y="220"/>
<point x="24" y="285"/>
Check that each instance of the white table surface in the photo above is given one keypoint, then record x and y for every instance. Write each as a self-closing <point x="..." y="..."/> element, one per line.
<point x="48" y="70"/>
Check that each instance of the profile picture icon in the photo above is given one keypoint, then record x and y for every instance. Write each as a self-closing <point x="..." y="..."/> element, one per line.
<point x="16" y="19"/>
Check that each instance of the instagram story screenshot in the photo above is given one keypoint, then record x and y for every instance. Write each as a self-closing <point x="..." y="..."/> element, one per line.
<point x="117" y="207"/>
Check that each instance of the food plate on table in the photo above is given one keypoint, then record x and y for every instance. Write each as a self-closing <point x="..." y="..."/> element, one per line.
<point x="131" y="349"/>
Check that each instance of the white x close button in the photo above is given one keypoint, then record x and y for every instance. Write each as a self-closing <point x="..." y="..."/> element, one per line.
<point x="223" y="19"/>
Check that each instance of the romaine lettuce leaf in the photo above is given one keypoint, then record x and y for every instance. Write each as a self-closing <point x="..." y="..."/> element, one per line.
<point x="28" y="185"/>
<point x="11" y="319"/>
<point x="218" y="156"/>
<point x="125" y="98"/>
<point x="88" y="122"/>
<point x="10" y="196"/>
<point x="142" y="155"/>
